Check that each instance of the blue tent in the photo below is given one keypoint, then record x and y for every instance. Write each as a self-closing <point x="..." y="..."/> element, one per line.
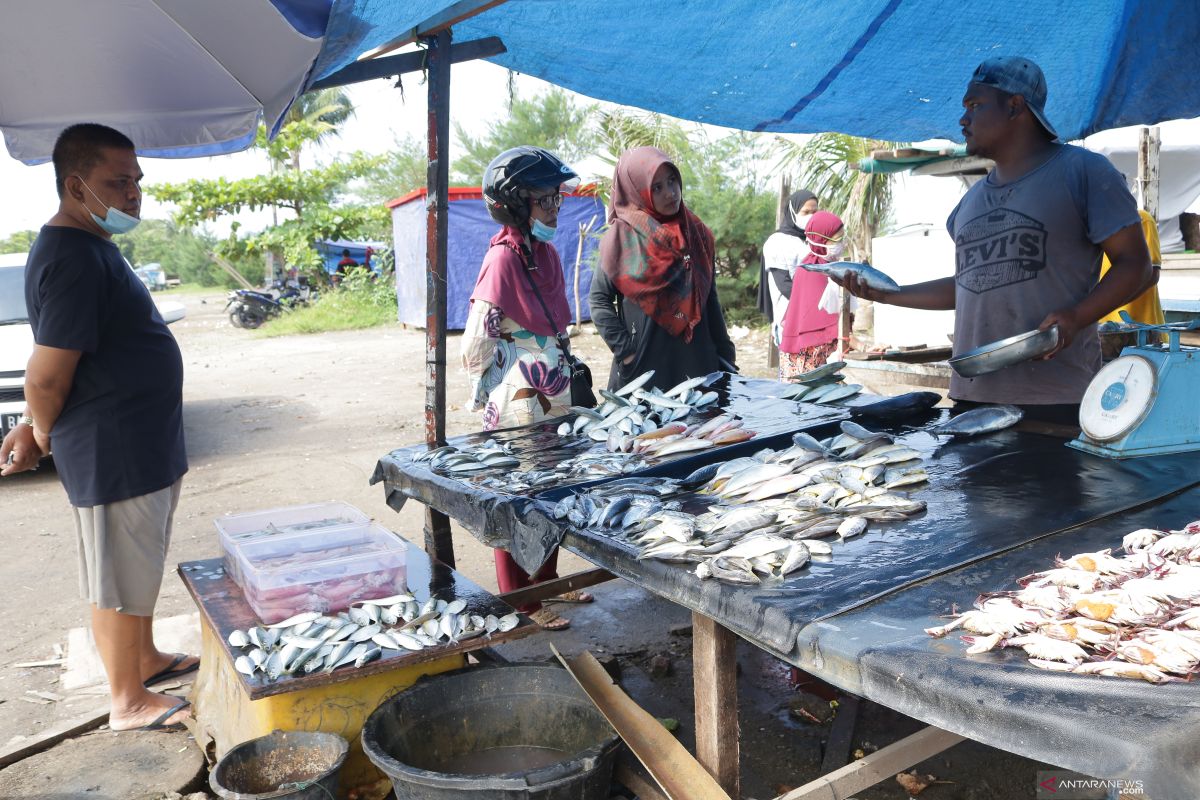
<point x="469" y="229"/>
<point x="893" y="69"/>
<point x="331" y="252"/>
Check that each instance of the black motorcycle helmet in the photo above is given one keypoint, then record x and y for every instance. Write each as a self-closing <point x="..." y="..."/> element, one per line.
<point x="510" y="176"/>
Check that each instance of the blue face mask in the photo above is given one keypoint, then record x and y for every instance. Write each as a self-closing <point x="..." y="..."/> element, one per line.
<point x="541" y="231"/>
<point x="114" y="220"/>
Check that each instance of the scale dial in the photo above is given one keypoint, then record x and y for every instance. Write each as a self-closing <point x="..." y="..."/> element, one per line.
<point x="1118" y="398"/>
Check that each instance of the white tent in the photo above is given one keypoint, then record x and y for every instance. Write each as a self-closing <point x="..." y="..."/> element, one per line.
<point x="1178" y="171"/>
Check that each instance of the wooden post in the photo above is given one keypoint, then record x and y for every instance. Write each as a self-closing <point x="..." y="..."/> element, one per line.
<point x="438" y="541"/>
<point x="785" y="191"/>
<point x="1148" y="147"/>
<point x="714" y="678"/>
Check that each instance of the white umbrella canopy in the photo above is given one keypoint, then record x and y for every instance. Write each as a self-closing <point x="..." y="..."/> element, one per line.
<point x="179" y="77"/>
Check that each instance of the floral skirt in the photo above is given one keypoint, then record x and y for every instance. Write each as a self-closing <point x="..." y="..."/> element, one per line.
<point x="806" y="360"/>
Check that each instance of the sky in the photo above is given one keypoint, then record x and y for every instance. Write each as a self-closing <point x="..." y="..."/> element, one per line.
<point x="479" y="94"/>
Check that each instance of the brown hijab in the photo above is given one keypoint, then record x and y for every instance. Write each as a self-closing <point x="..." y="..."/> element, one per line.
<point x="665" y="265"/>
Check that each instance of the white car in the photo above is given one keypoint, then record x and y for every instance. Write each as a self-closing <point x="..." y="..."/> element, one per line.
<point x="16" y="337"/>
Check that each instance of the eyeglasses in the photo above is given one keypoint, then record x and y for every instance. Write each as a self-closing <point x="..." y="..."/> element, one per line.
<point x="828" y="240"/>
<point x="549" y="201"/>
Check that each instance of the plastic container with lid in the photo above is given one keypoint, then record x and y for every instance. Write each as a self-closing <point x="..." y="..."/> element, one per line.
<point x="236" y="530"/>
<point x="324" y="570"/>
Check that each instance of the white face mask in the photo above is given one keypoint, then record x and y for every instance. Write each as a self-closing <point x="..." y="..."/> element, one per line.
<point x="834" y="249"/>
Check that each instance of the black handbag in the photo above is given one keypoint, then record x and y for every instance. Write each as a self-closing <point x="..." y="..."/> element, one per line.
<point x="581" y="374"/>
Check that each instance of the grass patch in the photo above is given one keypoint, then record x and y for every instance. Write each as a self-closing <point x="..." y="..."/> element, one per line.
<point x="359" y="303"/>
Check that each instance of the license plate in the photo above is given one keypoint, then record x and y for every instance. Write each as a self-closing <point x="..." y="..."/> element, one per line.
<point x="8" y="422"/>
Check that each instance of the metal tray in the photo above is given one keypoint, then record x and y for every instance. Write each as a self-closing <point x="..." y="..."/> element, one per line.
<point x="1005" y="353"/>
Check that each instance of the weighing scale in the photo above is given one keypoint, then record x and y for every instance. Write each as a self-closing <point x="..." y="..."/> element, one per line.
<point x="1145" y="402"/>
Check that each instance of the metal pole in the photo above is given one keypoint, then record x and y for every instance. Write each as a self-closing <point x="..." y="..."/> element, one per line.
<point x="438" y="541"/>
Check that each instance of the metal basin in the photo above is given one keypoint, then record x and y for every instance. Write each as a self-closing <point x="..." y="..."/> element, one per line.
<point x="1006" y="352"/>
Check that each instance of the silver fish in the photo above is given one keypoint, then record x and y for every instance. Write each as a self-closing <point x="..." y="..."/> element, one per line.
<point x="984" y="419"/>
<point x="368" y="655"/>
<point x="820" y="373"/>
<point x="840" y="269"/>
<point x="238" y="638"/>
<point x="507" y="622"/>
<point x="851" y="526"/>
<point x="635" y="384"/>
<point x="244" y="665"/>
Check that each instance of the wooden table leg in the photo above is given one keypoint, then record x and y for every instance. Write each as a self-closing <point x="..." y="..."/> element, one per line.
<point x="439" y="543"/>
<point x="714" y="676"/>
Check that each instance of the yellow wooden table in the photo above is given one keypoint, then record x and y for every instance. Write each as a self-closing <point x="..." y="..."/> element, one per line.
<point x="230" y="708"/>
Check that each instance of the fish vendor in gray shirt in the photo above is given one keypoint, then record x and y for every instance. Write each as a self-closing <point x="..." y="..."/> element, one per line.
<point x="1029" y="240"/>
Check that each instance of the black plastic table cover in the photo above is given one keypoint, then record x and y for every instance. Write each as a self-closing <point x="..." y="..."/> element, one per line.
<point x="1105" y="727"/>
<point x="984" y="496"/>
<point x="503" y="520"/>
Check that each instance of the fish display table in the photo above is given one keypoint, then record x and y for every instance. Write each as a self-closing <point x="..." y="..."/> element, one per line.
<point x="999" y="507"/>
<point x="230" y="707"/>
<point x="986" y="498"/>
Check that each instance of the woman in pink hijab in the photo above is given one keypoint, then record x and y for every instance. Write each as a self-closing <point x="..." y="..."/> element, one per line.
<point x="810" y="334"/>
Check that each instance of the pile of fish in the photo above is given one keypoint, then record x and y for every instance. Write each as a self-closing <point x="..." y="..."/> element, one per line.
<point x="633" y="410"/>
<point x="311" y="641"/>
<point x="1135" y="615"/>
<point x="767" y="513"/>
<point x="585" y="466"/>
<point x="469" y="459"/>
<point x="822" y="385"/>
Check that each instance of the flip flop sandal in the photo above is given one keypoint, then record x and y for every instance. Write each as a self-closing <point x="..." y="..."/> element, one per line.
<point x="573" y="596"/>
<point x="170" y="672"/>
<point x="160" y="724"/>
<point x="549" y="620"/>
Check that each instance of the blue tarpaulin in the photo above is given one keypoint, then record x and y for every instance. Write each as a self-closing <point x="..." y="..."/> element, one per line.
<point x="331" y="252"/>
<point x="469" y="230"/>
<point x="891" y="69"/>
<point x="194" y="78"/>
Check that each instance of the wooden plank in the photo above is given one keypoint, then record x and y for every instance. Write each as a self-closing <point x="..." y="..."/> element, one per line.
<point x="223" y="607"/>
<point x="360" y="71"/>
<point x="837" y="749"/>
<point x="714" y="675"/>
<point x="633" y="776"/>
<point x="878" y="766"/>
<point x="542" y="591"/>
<point x="442" y="21"/>
<point x="1149" y="142"/>
<point x="83" y="723"/>
<point x="668" y="762"/>
<point x="439" y="542"/>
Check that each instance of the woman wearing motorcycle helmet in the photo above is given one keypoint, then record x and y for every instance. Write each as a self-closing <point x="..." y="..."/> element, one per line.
<point x="519" y="374"/>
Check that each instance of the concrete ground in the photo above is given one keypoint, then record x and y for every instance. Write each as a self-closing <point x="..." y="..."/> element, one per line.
<point x="302" y="419"/>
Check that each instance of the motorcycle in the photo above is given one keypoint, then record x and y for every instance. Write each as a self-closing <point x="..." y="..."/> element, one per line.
<point x="250" y="308"/>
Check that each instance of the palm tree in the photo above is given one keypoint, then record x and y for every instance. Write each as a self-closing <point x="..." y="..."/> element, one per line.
<point x="621" y="130"/>
<point x="827" y="167"/>
<point x="323" y="112"/>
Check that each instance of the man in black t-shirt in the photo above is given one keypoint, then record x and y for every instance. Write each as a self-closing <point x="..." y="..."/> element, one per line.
<point x="104" y="386"/>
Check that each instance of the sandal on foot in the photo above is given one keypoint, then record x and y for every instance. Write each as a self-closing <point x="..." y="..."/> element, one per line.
<point x="170" y="670"/>
<point x="550" y="621"/>
<point x="573" y="596"/>
<point x="161" y="724"/>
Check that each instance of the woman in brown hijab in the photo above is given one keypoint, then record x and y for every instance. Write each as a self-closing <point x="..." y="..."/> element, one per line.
<point x="654" y="298"/>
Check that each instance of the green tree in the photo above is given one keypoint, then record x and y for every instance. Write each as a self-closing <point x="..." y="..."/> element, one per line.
<point x="402" y="170"/>
<point x="826" y="165"/>
<point x="553" y="120"/>
<point x="317" y="198"/>
<point x="19" y="242"/>
<point x="182" y="252"/>
<point x="319" y="114"/>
